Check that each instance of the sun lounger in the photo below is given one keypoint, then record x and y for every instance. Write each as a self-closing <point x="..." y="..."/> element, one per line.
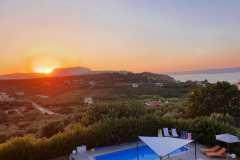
<point x="166" y="132"/>
<point x="160" y="133"/>
<point x="212" y="149"/>
<point x="82" y="149"/>
<point x="174" y="132"/>
<point x="183" y="134"/>
<point x="82" y="156"/>
<point x="189" y="136"/>
<point x="221" y="153"/>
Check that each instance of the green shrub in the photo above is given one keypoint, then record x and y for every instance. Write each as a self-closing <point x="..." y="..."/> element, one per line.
<point x="18" y="148"/>
<point x="205" y="130"/>
<point x="113" y="110"/>
<point x="106" y="132"/>
<point x="220" y="97"/>
<point x="51" y="128"/>
<point x="227" y="119"/>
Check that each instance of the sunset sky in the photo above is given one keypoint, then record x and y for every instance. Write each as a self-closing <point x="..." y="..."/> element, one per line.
<point x="134" y="35"/>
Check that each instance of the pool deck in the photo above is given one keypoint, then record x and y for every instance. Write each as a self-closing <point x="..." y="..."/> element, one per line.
<point x="186" y="156"/>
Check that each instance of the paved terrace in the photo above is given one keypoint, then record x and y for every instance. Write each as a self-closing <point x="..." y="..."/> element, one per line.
<point x="186" y="156"/>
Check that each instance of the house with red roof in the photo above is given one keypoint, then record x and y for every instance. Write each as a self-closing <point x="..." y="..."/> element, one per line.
<point x="153" y="103"/>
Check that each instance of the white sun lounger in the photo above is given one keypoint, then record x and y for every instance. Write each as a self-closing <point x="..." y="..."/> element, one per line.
<point x="81" y="149"/>
<point x="160" y="133"/>
<point x="174" y="132"/>
<point x="166" y="132"/>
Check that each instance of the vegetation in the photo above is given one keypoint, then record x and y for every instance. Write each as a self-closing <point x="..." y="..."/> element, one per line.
<point x="119" y="114"/>
<point x="107" y="132"/>
<point x="113" y="110"/>
<point x="221" y="97"/>
<point x="113" y="125"/>
<point x="66" y="97"/>
<point x="51" y="128"/>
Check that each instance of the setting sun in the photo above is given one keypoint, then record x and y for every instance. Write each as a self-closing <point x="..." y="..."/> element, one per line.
<point x="43" y="70"/>
<point x="44" y="64"/>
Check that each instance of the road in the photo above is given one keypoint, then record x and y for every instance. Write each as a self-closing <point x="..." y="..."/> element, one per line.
<point x="42" y="109"/>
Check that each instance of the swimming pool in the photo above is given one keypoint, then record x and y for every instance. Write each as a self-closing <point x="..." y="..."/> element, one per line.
<point x="144" y="153"/>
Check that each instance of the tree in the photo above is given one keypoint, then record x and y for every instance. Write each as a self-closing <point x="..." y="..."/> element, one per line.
<point x="113" y="110"/>
<point x="221" y="97"/>
<point x="51" y="128"/>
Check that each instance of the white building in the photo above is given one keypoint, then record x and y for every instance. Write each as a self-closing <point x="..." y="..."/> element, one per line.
<point x="92" y="83"/>
<point x="4" y="97"/>
<point x="153" y="103"/>
<point x="20" y="93"/>
<point x="159" y="84"/>
<point x="201" y="83"/>
<point x="42" y="96"/>
<point x="88" y="100"/>
<point x="135" y="85"/>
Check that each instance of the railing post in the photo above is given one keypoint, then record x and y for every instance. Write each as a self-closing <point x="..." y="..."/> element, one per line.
<point x="137" y="151"/>
<point x="195" y="150"/>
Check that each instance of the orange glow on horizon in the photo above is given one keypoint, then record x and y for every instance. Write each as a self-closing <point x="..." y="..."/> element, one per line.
<point x="43" y="70"/>
<point x="44" y="64"/>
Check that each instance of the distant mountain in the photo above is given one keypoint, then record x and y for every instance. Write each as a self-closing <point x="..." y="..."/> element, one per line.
<point x="63" y="72"/>
<point x="157" y="77"/>
<point x="81" y="71"/>
<point x="76" y="71"/>
<point x="59" y="72"/>
<point x="22" y="76"/>
<point x="211" y="71"/>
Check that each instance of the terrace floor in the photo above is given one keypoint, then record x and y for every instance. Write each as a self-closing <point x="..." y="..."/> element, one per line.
<point x="190" y="155"/>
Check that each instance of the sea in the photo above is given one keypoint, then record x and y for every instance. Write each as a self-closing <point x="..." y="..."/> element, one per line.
<point x="212" y="78"/>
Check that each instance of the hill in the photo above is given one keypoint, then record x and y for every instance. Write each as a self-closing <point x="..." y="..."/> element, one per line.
<point x="80" y="71"/>
<point x="86" y="85"/>
<point x="62" y="72"/>
<point x="59" y="72"/>
<point x="27" y="104"/>
<point x="21" y="76"/>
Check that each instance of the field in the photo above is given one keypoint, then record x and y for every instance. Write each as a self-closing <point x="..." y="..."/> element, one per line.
<point x="38" y="104"/>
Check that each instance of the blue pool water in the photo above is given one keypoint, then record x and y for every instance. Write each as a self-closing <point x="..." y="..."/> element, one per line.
<point x="144" y="153"/>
